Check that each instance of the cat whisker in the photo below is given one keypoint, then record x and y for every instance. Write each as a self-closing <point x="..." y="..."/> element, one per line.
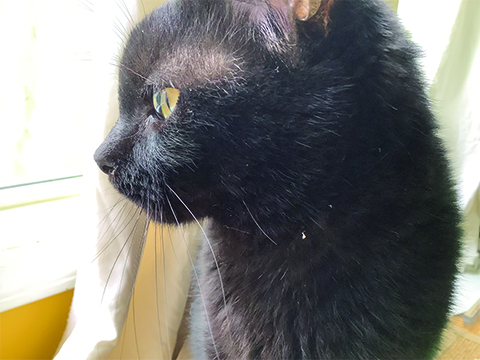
<point x="129" y="237"/>
<point x="142" y="246"/>
<point x="197" y="279"/>
<point x="118" y="234"/>
<point x="122" y="30"/>
<point x="132" y="71"/>
<point x="156" y="280"/>
<point x="127" y="13"/>
<point x="208" y="242"/>
<point x="258" y="225"/>
<point x="112" y="223"/>
<point x="155" y="272"/>
<point x="135" y="325"/>
<point x="172" y="244"/>
<point x="109" y="209"/>
<point x="104" y="190"/>
<point x="143" y="8"/>
<point x="123" y="339"/>
<point x="316" y="223"/>
<point x="165" y="286"/>
<point x="86" y="5"/>
<point x="120" y="34"/>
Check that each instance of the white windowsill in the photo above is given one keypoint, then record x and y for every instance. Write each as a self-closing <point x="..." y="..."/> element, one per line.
<point x="40" y="244"/>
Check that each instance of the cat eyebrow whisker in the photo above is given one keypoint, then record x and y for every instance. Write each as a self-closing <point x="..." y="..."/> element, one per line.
<point x="132" y="71"/>
<point x="126" y="12"/>
<point x="121" y="33"/>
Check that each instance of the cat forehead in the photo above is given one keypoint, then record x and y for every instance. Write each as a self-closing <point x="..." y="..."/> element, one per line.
<point x="178" y="60"/>
<point x="190" y="66"/>
<point x="185" y="45"/>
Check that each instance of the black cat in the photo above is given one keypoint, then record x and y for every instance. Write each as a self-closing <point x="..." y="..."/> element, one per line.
<point x="311" y="147"/>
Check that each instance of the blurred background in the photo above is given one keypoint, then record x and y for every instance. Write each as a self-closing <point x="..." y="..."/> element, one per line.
<point x="57" y="99"/>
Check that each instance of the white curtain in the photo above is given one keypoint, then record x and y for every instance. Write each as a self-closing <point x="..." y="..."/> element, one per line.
<point x="107" y="322"/>
<point x="449" y="33"/>
<point x="109" y="319"/>
<point x="456" y="89"/>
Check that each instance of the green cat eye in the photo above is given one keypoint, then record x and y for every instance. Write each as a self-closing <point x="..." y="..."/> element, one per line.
<point x="164" y="101"/>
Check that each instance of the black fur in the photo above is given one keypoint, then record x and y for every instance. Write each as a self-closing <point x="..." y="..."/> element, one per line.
<point x="313" y="151"/>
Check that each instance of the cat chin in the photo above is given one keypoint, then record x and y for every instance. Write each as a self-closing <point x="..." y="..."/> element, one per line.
<point x="160" y="205"/>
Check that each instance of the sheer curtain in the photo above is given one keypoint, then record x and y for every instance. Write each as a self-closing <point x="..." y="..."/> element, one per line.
<point x="449" y="33"/>
<point x="109" y="320"/>
<point x="456" y="89"/>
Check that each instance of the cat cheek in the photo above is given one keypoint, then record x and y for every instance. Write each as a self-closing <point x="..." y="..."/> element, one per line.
<point x="153" y="125"/>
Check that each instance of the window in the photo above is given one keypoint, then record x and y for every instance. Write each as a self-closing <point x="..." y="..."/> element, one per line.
<point x="45" y="142"/>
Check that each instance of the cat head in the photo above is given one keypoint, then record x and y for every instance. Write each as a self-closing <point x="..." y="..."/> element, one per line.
<point x="216" y="104"/>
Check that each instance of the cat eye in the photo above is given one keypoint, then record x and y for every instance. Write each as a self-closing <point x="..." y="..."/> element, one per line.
<point x="164" y="101"/>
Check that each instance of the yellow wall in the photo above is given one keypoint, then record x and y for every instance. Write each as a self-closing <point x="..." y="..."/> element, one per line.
<point x="394" y="4"/>
<point x="34" y="331"/>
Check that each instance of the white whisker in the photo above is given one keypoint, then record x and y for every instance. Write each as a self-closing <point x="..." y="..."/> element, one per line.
<point x="197" y="279"/>
<point x="143" y="8"/>
<point x="123" y="338"/>
<point x="118" y="234"/>
<point x="209" y="245"/>
<point x="165" y="287"/>
<point x="144" y="237"/>
<point x="111" y="224"/>
<point x="130" y="235"/>
<point x="256" y="223"/>
<point x="127" y="13"/>
<point x="135" y="325"/>
<point x="156" y="280"/>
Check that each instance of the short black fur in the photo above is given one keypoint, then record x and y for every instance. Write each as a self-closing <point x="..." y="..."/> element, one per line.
<point x="312" y="150"/>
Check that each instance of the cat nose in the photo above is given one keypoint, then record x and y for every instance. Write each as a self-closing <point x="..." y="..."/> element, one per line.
<point x="106" y="166"/>
<point x="115" y="147"/>
<point x="105" y="162"/>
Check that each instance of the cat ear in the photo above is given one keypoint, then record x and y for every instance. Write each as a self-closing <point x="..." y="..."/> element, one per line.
<point x="286" y="11"/>
<point x="312" y="10"/>
<point x="273" y="19"/>
<point x="304" y="9"/>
